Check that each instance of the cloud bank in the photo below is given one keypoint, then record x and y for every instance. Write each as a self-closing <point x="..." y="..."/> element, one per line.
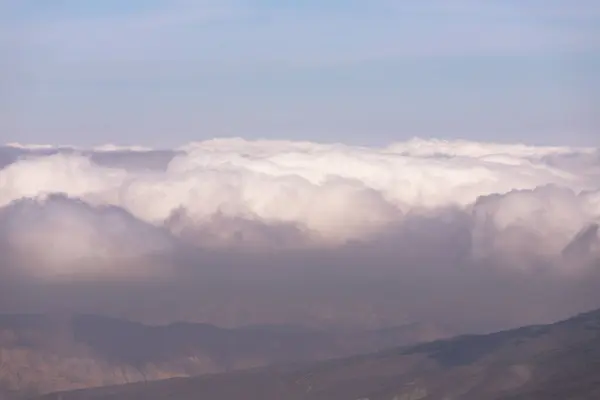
<point x="429" y="212"/>
<point x="332" y="193"/>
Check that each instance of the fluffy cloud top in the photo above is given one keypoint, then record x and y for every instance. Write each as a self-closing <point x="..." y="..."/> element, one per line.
<point x="59" y="236"/>
<point x="231" y="192"/>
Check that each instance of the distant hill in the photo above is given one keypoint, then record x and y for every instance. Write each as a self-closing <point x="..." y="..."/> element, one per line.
<point x="557" y="361"/>
<point x="41" y="354"/>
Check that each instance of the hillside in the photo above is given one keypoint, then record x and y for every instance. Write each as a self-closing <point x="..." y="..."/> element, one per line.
<point x="42" y="354"/>
<point x="557" y="361"/>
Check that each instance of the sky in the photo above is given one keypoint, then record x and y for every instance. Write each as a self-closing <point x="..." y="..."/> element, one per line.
<point x="164" y="73"/>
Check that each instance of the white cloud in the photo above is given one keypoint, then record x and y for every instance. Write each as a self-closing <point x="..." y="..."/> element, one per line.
<point x="61" y="237"/>
<point x="538" y="222"/>
<point x="521" y="199"/>
<point x="21" y="146"/>
<point x="116" y="148"/>
<point x="74" y="175"/>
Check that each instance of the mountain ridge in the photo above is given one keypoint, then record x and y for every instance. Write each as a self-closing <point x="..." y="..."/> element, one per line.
<point x="41" y="354"/>
<point x="539" y="362"/>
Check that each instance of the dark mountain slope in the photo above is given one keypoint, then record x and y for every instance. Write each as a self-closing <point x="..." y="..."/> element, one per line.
<point x="43" y="354"/>
<point x="557" y="361"/>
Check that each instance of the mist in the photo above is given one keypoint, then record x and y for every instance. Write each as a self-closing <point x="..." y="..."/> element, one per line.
<point x="468" y="236"/>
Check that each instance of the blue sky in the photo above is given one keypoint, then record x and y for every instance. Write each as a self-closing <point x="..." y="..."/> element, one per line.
<point x="162" y="73"/>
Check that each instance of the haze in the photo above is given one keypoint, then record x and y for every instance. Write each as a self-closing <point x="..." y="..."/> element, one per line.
<point x="469" y="235"/>
<point x="192" y="187"/>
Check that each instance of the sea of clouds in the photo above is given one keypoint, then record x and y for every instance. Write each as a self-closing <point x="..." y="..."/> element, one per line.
<point x="422" y="205"/>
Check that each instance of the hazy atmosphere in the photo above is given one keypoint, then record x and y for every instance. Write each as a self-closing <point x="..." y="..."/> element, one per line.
<point x="469" y="229"/>
<point x="466" y="234"/>
<point x="311" y="200"/>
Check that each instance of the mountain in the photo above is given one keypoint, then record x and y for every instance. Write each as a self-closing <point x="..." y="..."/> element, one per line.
<point x="546" y="362"/>
<point x="584" y="243"/>
<point x="42" y="354"/>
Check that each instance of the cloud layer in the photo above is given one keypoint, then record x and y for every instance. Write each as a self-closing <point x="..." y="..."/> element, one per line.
<point x="447" y="210"/>
<point x="332" y="193"/>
